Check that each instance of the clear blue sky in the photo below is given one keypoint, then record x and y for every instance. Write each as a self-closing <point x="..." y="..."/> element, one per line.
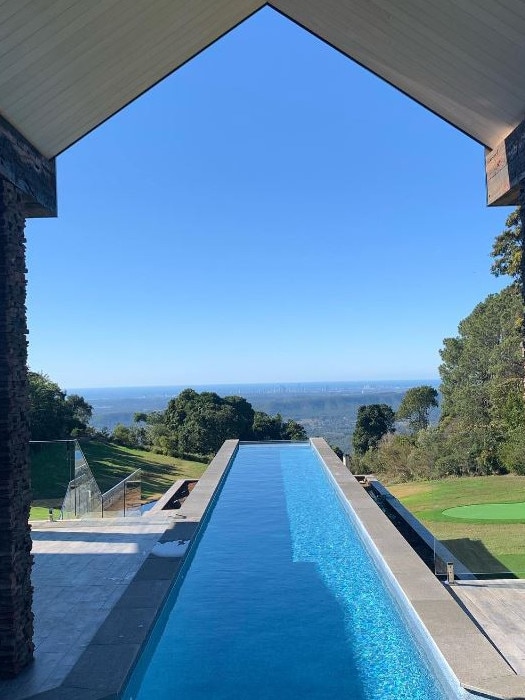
<point x="270" y="212"/>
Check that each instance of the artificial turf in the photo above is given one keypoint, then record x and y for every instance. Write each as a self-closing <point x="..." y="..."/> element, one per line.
<point x="488" y="511"/>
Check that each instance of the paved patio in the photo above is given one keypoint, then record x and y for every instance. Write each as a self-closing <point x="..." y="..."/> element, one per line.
<point x="98" y="590"/>
<point x="498" y="607"/>
<point x="81" y="570"/>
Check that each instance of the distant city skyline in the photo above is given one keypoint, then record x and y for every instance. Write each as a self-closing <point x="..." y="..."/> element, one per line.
<point x="271" y="212"/>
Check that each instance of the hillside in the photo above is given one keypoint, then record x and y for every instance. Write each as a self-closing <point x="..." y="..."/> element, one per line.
<point x="111" y="463"/>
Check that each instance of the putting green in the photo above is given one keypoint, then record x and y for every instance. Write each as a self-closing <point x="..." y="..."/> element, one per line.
<point x="488" y="511"/>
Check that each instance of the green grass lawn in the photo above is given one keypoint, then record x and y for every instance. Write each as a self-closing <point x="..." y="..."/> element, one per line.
<point x="110" y="464"/>
<point x="41" y="513"/>
<point x="484" y="546"/>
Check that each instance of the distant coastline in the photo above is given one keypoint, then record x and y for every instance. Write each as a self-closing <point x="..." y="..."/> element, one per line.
<point x="357" y="386"/>
<point x="328" y="409"/>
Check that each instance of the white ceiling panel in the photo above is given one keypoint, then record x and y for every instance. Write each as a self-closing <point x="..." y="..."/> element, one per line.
<point x="460" y="58"/>
<point x="67" y="65"/>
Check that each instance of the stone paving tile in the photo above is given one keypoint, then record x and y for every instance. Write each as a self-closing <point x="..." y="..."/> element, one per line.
<point x="81" y="571"/>
<point x="144" y="594"/>
<point x="78" y="694"/>
<point x="125" y="625"/>
<point x="110" y="668"/>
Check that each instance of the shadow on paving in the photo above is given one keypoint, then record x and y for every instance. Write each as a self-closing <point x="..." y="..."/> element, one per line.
<point x="482" y="563"/>
<point x="76" y="536"/>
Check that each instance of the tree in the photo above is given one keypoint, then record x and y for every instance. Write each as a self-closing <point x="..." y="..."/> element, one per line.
<point x="292" y="430"/>
<point x="416" y="405"/>
<point x="482" y="377"/>
<point x="122" y="435"/>
<point x="373" y="421"/>
<point x="482" y="364"/>
<point x="509" y="259"/>
<point x="507" y="250"/>
<point x="140" y="417"/>
<point x="52" y="414"/>
<point x="338" y="451"/>
<point x="161" y="438"/>
<point x="266" y="427"/>
<point x="200" y="423"/>
<point x="80" y="411"/>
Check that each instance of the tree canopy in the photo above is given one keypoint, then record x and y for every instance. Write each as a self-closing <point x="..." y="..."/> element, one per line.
<point x="507" y="249"/>
<point x="373" y="421"/>
<point x="482" y="378"/>
<point x="482" y="366"/>
<point x="482" y="425"/>
<point x="198" y="423"/>
<point x="54" y="415"/>
<point x="415" y="406"/>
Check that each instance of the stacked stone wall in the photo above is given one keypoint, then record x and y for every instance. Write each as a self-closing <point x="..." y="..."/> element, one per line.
<point x="16" y="617"/>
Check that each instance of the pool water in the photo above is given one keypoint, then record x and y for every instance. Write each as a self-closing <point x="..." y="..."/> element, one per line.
<point x="281" y="600"/>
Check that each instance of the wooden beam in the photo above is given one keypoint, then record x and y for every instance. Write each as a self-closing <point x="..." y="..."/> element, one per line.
<point x="32" y="174"/>
<point x="505" y="169"/>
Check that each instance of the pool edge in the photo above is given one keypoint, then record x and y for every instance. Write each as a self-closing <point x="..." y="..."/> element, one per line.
<point x="479" y="668"/>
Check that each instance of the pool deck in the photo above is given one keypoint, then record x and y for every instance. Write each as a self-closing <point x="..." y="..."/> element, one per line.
<point x="99" y="586"/>
<point x="498" y="607"/>
<point x="81" y="569"/>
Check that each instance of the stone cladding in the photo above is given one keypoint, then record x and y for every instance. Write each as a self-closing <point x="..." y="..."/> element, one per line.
<point x="16" y="617"/>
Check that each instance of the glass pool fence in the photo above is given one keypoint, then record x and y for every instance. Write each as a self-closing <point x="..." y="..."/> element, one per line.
<point x="464" y="526"/>
<point x="65" y="487"/>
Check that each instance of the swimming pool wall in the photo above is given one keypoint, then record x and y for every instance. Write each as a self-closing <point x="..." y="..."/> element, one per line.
<point x="450" y="636"/>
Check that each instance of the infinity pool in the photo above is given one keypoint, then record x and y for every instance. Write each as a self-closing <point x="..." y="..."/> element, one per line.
<point x="281" y="600"/>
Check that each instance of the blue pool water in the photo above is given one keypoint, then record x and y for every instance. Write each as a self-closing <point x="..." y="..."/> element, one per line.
<point x="281" y="600"/>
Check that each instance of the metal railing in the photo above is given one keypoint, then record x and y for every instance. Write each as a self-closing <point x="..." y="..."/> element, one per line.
<point x="124" y="499"/>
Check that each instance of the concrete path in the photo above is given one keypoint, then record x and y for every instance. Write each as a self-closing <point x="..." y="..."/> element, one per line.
<point x="498" y="607"/>
<point x="81" y="570"/>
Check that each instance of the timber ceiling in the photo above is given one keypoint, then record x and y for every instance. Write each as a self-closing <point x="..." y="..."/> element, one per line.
<point x="67" y="65"/>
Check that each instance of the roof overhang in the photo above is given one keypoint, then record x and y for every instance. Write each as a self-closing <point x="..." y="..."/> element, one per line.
<point x="68" y="65"/>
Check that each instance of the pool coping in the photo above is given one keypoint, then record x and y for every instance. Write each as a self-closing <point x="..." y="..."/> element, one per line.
<point x="474" y="661"/>
<point x="159" y="506"/>
<point x="104" y="668"/>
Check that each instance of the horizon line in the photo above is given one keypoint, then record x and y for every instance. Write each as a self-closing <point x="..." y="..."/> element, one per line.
<point x="190" y="385"/>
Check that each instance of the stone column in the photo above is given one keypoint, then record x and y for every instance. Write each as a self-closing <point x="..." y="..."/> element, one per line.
<point x="16" y="593"/>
